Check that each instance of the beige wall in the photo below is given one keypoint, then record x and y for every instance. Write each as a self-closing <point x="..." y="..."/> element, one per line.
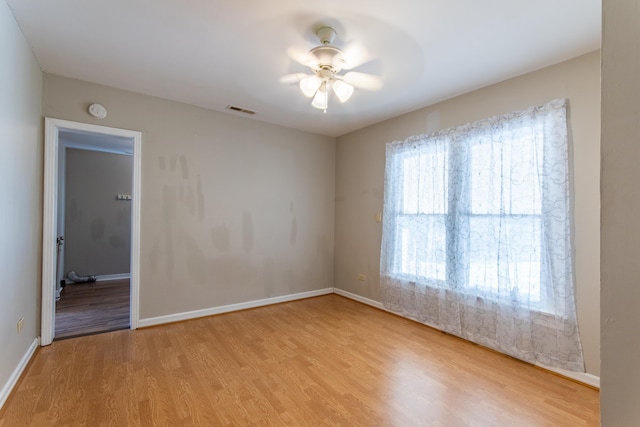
<point x="233" y="209"/>
<point x="360" y="177"/>
<point x="620" y="251"/>
<point x="97" y="225"/>
<point x="21" y="190"/>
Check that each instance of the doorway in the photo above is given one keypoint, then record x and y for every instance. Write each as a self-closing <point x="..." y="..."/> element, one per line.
<point x="94" y="233"/>
<point x="83" y="144"/>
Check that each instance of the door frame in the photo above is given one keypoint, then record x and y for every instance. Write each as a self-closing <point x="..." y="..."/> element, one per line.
<point x="50" y="213"/>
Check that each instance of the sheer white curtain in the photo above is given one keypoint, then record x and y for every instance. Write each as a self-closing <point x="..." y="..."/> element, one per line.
<point x="477" y="234"/>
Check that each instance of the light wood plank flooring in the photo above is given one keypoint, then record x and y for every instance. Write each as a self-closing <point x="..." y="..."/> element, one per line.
<point x="91" y="308"/>
<point x="320" y="361"/>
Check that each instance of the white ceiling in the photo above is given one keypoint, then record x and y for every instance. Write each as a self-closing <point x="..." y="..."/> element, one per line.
<point x="213" y="53"/>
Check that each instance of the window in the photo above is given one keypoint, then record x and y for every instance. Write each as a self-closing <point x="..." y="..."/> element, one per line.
<point x="479" y="202"/>
<point x="476" y="235"/>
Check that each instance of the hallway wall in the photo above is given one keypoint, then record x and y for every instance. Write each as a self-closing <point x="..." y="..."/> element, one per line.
<point x="97" y="225"/>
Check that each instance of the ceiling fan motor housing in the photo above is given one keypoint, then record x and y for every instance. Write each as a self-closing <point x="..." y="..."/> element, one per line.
<point x="329" y="57"/>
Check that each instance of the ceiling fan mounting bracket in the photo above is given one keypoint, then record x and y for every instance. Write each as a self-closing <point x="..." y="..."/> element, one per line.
<point x="326" y="35"/>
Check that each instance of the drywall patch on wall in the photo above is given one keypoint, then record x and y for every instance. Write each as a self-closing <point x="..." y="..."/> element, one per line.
<point x="184" y="167"/>
<point x="200" y="198"/>
<point x="293" y="237"/>
<point x="169" y="209"/>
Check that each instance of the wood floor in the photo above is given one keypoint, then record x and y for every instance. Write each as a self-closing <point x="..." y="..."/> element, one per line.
<point x="91" y="308"/>
<point x="320" y="361"/>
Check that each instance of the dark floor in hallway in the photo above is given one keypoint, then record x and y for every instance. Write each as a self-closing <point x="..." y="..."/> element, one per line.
<point x="90" y="308"/>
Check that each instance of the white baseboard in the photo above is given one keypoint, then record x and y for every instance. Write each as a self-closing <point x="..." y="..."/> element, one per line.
<point x="102" y="278"/>
<point x="358" y="298"/>
<point x="581" y="377"/>
<point x="152" y="321"/>
<point x="107" y="277"/>
<point x="15" y="376"/>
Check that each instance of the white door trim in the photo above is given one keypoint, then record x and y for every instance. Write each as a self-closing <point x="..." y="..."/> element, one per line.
<point x="49" y="249"/>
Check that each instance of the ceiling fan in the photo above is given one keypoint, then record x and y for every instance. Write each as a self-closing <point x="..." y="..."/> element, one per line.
<point x="326" y="61"/>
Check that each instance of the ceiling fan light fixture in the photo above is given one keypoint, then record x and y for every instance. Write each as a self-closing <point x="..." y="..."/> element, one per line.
<point x="310" y="85"/>
<point x="326" y="62"/>
<point x="342" y="90"/>
<point x="321" y="100"/>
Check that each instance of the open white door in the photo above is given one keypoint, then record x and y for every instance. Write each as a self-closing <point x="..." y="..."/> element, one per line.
<point x="50" y="214"/>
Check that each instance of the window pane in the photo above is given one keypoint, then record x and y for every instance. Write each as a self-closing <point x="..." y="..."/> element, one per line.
<point x="504" y="256"/>
<point x="505" y="176"/>
<point x="424" y="181"/>
<point x="421" y="232"/>
<point x="422" y="246"/>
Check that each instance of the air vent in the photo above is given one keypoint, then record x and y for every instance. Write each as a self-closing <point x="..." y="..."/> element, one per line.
<point x="239" y="109"/>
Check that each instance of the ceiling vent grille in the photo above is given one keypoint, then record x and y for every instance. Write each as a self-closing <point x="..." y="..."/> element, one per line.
<point x="240" y="109"/>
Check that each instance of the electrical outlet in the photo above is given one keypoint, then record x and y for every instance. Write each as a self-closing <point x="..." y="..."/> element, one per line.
<point x="362" y="277"/>
<point x="20" y="325"/>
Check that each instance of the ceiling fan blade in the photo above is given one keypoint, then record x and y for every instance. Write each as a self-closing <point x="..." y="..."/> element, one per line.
<point x="302" y="57"/>
<point x="363" y="80"/>
<point x="354" y="55"/>
<point x="293" y="78"/>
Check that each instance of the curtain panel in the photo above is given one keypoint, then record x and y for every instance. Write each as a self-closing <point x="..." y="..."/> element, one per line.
<point x="477" y="234"/>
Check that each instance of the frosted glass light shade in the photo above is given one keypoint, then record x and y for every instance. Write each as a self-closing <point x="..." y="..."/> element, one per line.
<point x="309" y="85"/>
<point x="321" y="100"/>
<point x="342" y="90"/>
